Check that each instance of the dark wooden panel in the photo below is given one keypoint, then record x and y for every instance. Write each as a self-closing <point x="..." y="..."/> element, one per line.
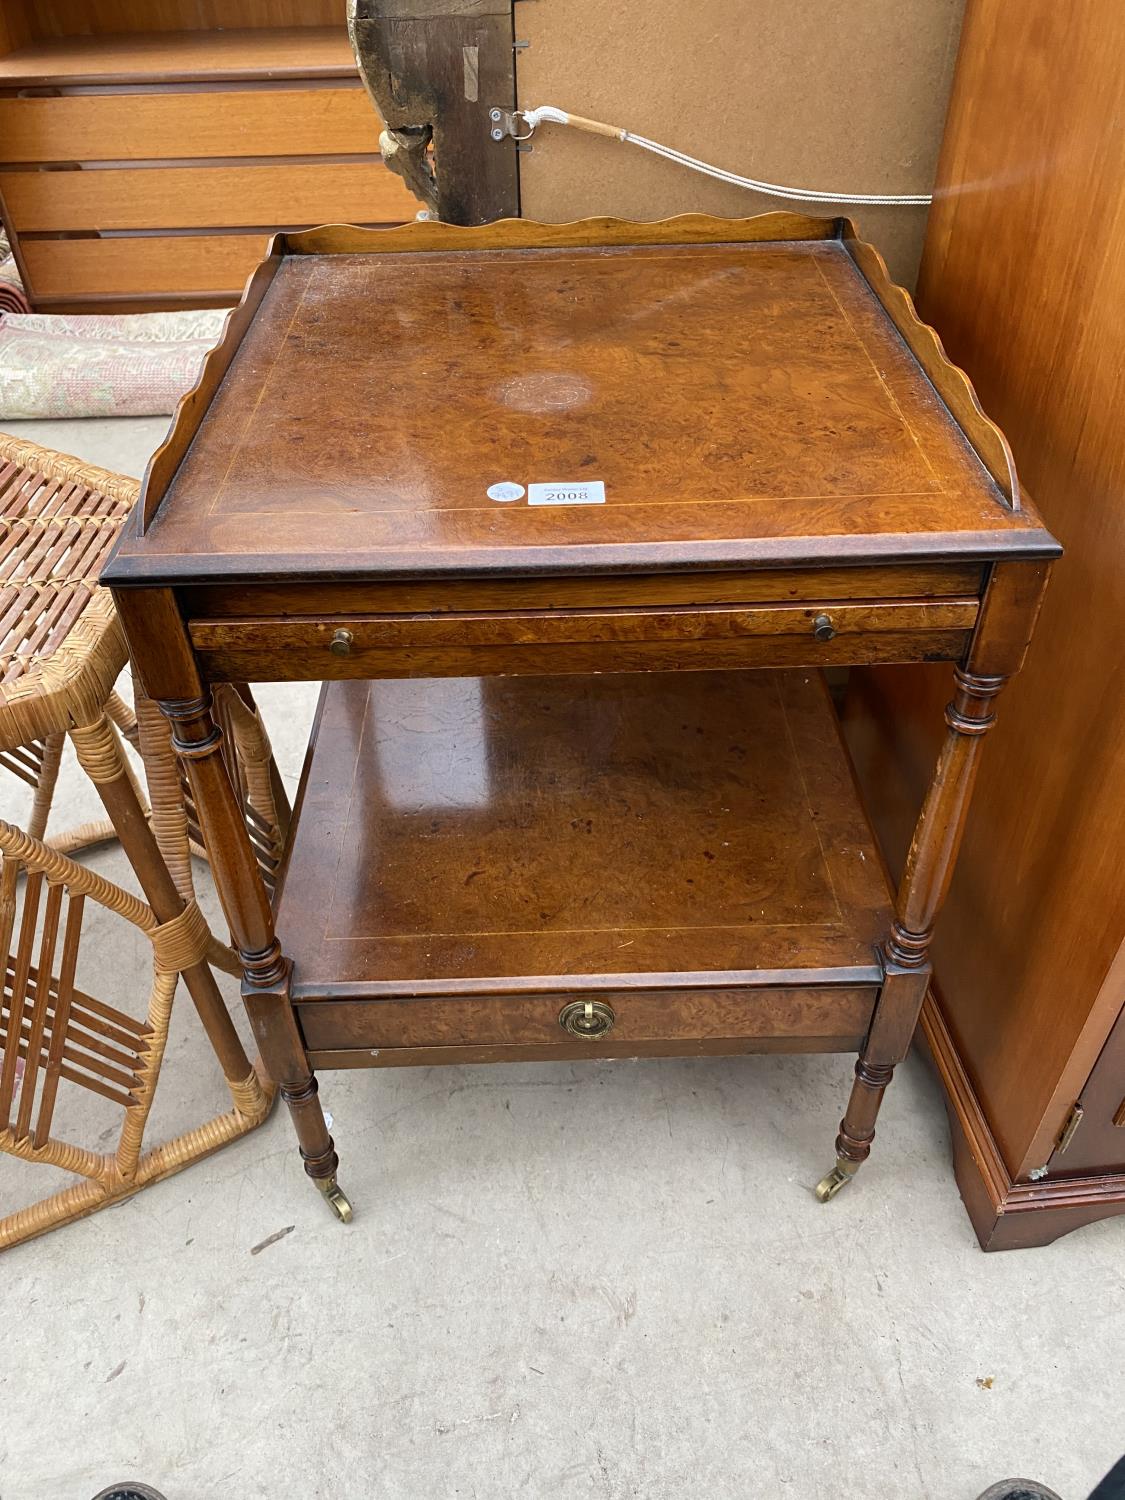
<point x="435" y="70"/>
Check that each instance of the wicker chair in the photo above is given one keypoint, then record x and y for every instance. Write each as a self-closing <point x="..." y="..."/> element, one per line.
<point x="61" y="652"/>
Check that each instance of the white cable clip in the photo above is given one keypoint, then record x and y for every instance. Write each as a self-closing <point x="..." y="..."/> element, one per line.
<point x="546" y="113"/>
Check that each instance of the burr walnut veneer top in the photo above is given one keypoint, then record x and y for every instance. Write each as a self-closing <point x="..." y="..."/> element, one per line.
<point x="744" y="405"/>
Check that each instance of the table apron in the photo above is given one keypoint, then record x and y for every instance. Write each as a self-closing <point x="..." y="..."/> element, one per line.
<point x="311" y="598"/>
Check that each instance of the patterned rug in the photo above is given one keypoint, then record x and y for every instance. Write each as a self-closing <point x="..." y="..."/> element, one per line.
<point x="12" y="295"/>
<point x="131" y="365"/>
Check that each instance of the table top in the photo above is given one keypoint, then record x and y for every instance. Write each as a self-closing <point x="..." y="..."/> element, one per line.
<point x="743" y="399"/>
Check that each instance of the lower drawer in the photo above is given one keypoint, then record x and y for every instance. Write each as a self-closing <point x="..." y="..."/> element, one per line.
<point x="824" y="1017"/>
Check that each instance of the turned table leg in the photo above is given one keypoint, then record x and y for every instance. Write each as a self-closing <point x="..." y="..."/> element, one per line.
<point x="1011" y="603"/>
<point x="925" y="881"/>
<point x="265" y="989"/>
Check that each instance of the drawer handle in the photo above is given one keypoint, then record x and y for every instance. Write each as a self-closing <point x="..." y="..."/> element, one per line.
<point x="589" y="1019"/>
<point x="823" y="628"/>
<point x="341" y="643"/>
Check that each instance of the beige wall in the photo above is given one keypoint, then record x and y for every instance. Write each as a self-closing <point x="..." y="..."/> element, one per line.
<point x="811" y="92"/>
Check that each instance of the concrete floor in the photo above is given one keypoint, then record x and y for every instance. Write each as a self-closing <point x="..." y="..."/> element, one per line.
<point x="606" y="1280"/>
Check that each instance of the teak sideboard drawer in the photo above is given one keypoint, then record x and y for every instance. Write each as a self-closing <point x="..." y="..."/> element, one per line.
<point x="145" y="264"/>
<point x="821" y="1017"/>
<point x="253" y="194"/>
<point x="216" y="122"/>
<point x="582" y="640"/>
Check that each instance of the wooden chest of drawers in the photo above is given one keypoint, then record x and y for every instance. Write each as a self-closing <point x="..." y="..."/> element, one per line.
<point x="148" y="170"/>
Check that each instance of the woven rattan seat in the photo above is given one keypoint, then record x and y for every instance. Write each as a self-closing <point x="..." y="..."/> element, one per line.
<point x="61" y="652"/>
<point x="61" y="645"/>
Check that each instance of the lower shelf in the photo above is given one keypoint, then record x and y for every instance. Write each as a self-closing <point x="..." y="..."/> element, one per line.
<point x="683" y="856"/>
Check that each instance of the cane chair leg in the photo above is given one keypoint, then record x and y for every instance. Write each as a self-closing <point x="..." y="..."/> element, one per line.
<point x="49" y="1027"/>
<point x="124" y="717"/>
<point x="39" y="1026"/>
<point x="165" y="790"/>
<point x="85" y="835"/>
<point x="45" y="791"/>
<point x="37" y="764"/>
<point x="102" y="758"/>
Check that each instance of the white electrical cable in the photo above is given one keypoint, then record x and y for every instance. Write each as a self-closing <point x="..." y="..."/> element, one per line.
<point x="547" y="114"/>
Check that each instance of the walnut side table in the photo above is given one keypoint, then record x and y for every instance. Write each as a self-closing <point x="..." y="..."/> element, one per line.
<point x="538" y="503"/>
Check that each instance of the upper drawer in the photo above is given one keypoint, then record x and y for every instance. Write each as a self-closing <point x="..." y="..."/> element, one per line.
<point x="221" y="122"/>
<point x="257" y="194"/>
<point x="590" y="640"/>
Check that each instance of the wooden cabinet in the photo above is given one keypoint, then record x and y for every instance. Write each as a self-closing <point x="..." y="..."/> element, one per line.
<point x="1023" y="275"/>
<point x="147" y="167"/>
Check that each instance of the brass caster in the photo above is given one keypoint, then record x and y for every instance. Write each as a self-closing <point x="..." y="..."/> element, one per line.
<point x="336" y="1199"/>
<point x="839" y="1177"/>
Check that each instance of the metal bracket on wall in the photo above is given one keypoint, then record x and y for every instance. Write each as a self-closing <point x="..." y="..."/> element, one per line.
<point x="504" y="124"/>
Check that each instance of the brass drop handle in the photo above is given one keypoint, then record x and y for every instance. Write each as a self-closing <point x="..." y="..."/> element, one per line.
<point x="341" y="643"/>
<point x="823" y="628"/>
<point x="588" y="1019"/>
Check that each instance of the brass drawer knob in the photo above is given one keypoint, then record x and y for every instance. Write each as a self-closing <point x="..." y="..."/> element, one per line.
<point x="823" y="628"/>
<point x="341" y="643"/>
<point x="589" y="1019"/>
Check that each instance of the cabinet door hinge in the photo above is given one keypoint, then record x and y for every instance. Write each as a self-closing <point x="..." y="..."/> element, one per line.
<point x="1069" y="1130"/>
